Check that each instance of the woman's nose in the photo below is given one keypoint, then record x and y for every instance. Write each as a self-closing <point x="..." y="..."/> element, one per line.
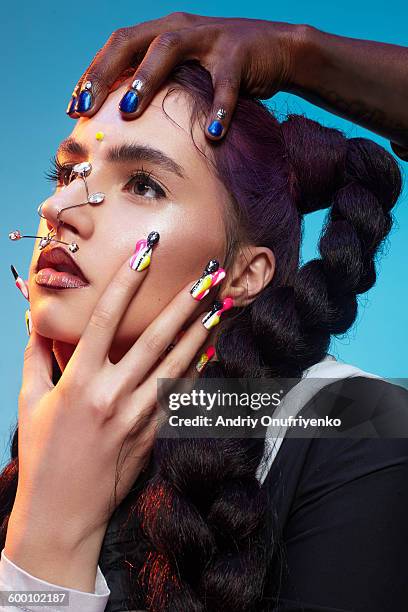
<point x="68" y="207"/>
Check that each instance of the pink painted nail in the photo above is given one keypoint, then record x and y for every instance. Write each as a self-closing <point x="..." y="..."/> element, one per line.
<point x="213" y="317"/>
<point x="205" y="358"/>
<point x="211" y="276"/>
<point x="143" y="252"/>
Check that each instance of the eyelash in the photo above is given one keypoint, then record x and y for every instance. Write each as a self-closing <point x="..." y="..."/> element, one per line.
<point x="58" y="173"/>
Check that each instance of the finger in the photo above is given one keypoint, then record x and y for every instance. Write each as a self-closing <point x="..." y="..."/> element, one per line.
<point x="226" y="82"/>
<point x="148" y="348"/>
<point x="37" y="367"/>
<point x="164" y="53"/>
<point x="94" y="344"/>
<point x="70" y="110"/>
<point x="124" y="48"/>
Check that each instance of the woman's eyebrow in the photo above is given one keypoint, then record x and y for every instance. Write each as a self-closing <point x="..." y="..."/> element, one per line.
<point x="70" y="146"/>
<point x="133" y="152"/>
<point x="136" y="152"/>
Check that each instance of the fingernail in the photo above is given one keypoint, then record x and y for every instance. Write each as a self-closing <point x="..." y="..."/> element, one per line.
<point x="71" y="105"/>
<point x="205" y="358"/>
<point x="84" y="101"/>
<point x="143" y="251"/>
<point x="211" y="276"/>
<point x="213" y="317"/>
<point x="20" y="283"/>
<point x="129" y="102"/>
<point x="215" y="128"/>
<point x="28" y="322"/>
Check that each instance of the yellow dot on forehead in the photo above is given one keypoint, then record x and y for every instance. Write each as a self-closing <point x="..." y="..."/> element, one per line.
<point x="99" y="136"/>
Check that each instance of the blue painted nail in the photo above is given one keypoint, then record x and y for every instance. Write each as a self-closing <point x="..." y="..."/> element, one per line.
<point x="215" y="128"/>
<point x="129" y="102"/>
<point x="71" y="105"/>
<point x="84" y="102"/>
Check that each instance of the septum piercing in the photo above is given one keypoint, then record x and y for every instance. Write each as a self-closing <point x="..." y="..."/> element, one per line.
<point x="81" y="170"/>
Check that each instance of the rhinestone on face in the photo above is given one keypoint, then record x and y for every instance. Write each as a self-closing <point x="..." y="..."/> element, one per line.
<point x="88" y="85"/>
<point x="83" y="168"/>
<point x="137" y="84"/>
<point x="15" y="235"/>
<point x="96" y="198"/>
<point x="44" y="242"/>
<point x="222" y="113"/>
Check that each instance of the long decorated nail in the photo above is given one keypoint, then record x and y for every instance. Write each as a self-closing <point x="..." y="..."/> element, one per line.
<point x="143" y="251"/>
<point x="211" y="276"/>
<point x="85" y="100"/>
<point x="28" y="322"/>
<point x="20" y="283"/>
<point x="213" y="317"/>
<point x="205" y="358"/>
<point x="130" y="100"/>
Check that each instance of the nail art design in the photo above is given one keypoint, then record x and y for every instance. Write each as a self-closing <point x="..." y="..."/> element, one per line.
<point x="143" y="251"/>
<point x="28" y="322"/>
<point x="215" y="128"/>
<point x="221" y="113"/>
<point x="211" y="276"/>
<point x="20" y="283"/>
<point x="205" y="358"/>
<point x="84" y="101"/>
<point x="130" y="100"/>
<point x="213" y="317"/>
<point x="72" y="103"/>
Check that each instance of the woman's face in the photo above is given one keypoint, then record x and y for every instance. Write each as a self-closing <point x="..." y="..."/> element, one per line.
<point x="184" y="204"/>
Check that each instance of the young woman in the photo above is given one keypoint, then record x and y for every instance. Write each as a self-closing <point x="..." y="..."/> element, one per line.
<point x="190" y="527"/>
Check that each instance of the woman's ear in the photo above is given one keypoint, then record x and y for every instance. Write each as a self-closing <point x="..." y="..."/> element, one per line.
<point x="252" y="270"/>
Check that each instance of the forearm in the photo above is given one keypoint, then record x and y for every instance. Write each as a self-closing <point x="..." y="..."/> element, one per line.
<point x="363" y="81"/>
<point x="54" y="558"/>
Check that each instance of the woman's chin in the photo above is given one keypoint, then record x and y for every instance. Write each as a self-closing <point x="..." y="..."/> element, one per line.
<point x="51" y="324"/>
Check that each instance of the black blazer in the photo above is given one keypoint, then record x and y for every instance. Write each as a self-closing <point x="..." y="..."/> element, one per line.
<point x="339" y="506"/>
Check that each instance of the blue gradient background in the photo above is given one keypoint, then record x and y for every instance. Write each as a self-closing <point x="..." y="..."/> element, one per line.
<point x="45" y="46"/>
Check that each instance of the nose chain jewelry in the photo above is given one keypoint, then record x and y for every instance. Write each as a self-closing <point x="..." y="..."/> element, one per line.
<point x="82" y="171"/>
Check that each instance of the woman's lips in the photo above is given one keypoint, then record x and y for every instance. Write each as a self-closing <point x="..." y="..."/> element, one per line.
<point x="49" y="277"/>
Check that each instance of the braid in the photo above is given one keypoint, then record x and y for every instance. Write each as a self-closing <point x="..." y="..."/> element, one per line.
<point x="287" y="328"/>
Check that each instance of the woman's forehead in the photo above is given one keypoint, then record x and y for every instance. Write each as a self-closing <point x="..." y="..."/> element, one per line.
<point x="172" y="133"/>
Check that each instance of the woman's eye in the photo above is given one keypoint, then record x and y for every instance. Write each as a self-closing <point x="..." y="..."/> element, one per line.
<point x="143" y="185"/>
<point x="59" y="174"/>
<point x="65" y="177"/>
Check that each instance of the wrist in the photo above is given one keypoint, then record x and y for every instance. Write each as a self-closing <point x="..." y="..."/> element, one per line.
<point x="51" y="554"/>
<point x="306" y="58"/>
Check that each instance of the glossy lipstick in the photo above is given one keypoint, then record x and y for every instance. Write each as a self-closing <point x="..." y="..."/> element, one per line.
<point x="49" y="277"/>
<point x="56" y="269"/>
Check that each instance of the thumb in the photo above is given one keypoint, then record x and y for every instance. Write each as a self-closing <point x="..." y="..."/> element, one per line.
<point x="37" y="367"/>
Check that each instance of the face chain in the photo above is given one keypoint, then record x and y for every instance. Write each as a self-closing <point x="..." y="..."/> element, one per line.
<point x="81" y="170"/>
